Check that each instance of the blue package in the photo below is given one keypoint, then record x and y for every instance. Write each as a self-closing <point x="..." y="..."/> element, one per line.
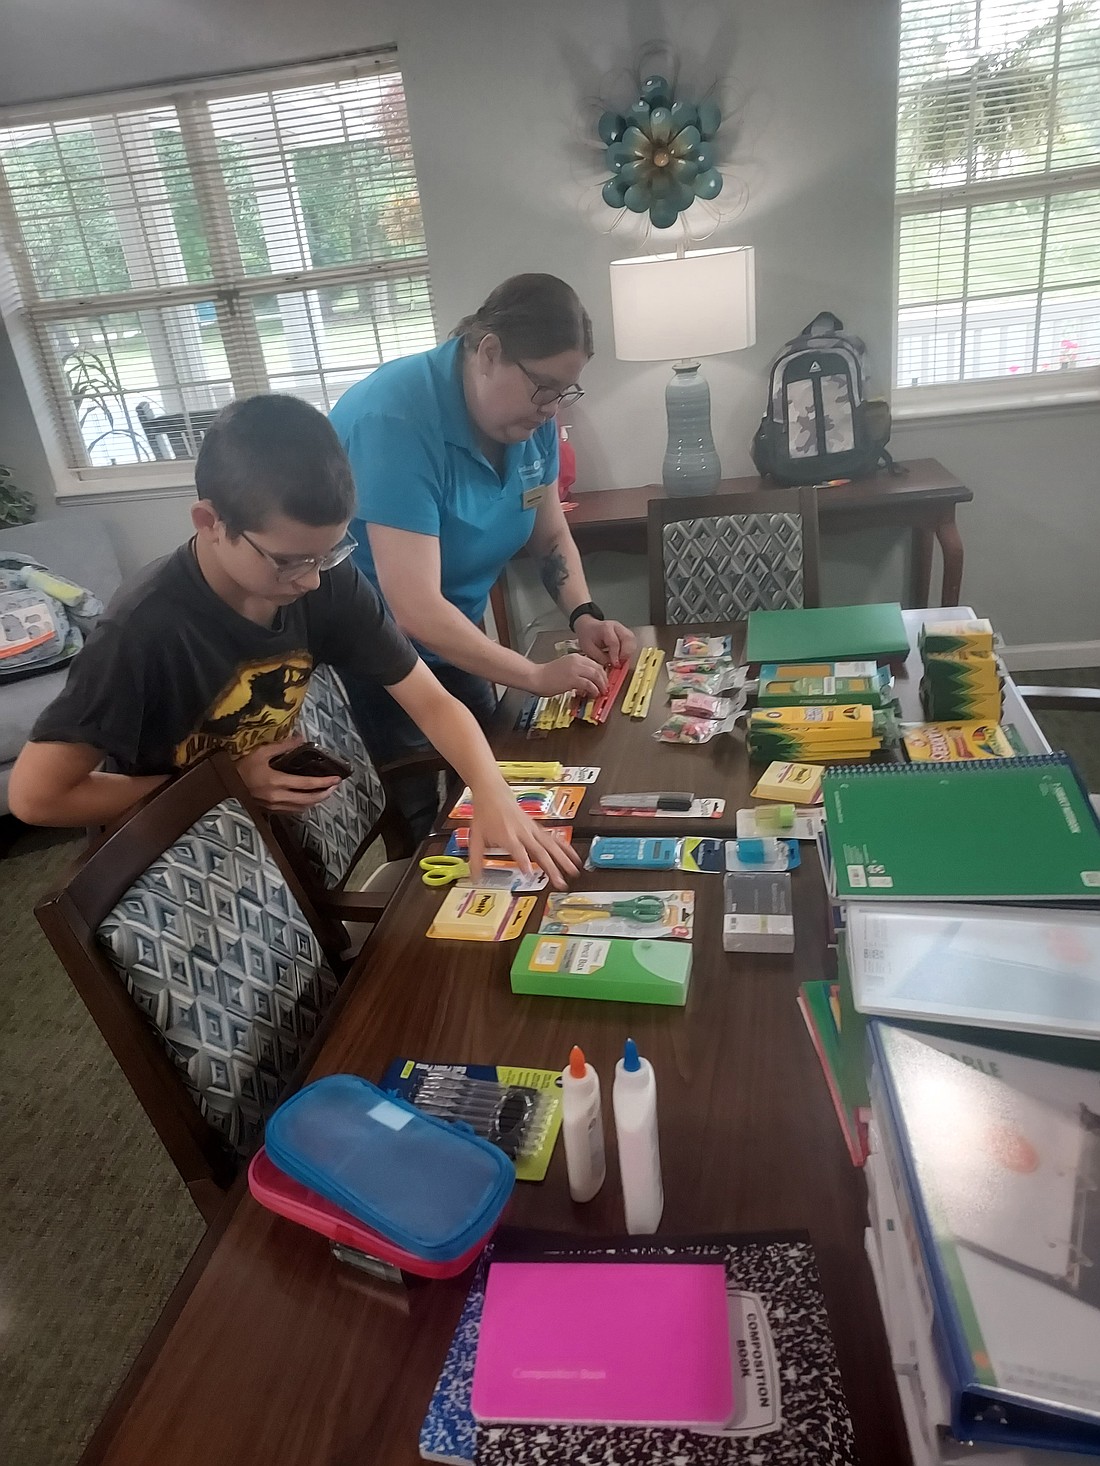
<point x="614" y="852"/>
<point x="433" y="1188"/>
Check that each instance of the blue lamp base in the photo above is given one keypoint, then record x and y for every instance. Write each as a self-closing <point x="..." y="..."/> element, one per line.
<point x="691" y="465"/>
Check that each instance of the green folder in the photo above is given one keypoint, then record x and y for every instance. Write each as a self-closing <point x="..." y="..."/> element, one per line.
<point x="827" y="634"/>
<point x="618" y="969"/>
<point x="1014" y="829"/>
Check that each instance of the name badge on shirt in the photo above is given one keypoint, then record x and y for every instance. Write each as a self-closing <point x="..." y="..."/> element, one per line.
<point x="531" y="489"/>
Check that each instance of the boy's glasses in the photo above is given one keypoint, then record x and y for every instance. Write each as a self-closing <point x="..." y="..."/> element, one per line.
<point x="288" y="567"/>
<point x="544" y="396"/>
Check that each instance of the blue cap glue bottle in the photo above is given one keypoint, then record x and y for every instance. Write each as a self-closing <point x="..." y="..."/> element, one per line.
<point x="634" y="1101"/>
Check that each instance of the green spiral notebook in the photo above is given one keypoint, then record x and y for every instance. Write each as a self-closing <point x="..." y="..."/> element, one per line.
<point x="1014" y="829"/>
<point x="827" y="634"/>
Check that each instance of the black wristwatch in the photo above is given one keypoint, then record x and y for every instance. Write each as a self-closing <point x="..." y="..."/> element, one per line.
<point x="586" y="608"/>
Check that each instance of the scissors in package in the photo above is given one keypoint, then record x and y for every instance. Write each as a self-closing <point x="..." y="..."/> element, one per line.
<point x="496" y="875"/>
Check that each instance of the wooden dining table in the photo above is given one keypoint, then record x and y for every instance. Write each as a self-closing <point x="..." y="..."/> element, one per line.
<point x="270" y="1351"/>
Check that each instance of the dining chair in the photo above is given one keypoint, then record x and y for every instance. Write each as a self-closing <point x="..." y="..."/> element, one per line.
<point x="328" y="841"/>
<point x="716" y="557"/>
<point x="203" y="962"/>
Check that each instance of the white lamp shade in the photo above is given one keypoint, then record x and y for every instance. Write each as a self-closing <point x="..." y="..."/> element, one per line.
<point x="675" y="307"/>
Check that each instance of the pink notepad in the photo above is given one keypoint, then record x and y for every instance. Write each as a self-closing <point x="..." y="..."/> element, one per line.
<point x="618" y="1343"/>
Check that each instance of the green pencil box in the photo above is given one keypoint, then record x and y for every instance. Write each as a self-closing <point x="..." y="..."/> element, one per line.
<point x="615" y="969"/>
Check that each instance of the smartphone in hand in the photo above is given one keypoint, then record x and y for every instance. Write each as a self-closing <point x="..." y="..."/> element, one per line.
<point x="310" y="761"/>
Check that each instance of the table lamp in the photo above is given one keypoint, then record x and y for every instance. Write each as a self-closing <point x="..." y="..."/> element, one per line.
<point x="681" y="307"/>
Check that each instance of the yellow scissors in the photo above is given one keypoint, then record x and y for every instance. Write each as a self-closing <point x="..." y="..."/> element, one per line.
<point x="441" y="870"/>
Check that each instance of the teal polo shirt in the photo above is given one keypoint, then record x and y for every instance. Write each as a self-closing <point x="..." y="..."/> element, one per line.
<point x="408" y="434"/>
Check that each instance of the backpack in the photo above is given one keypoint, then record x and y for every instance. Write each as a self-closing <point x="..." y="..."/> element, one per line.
<point x="43" y="617"/>
<point x="819" y="425"/>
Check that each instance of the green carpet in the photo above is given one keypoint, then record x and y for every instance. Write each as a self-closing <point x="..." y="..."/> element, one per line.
<point x="95" y="1226"/>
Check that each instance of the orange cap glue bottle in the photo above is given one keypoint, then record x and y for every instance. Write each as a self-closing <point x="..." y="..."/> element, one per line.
<point x="582" y="1127"/>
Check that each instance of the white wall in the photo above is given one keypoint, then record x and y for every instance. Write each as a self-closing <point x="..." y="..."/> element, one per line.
<point x="501" y="105"/>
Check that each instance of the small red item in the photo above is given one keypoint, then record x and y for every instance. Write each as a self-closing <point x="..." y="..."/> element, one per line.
<point x="567" y="465"/>
<point x="615" y="679"/>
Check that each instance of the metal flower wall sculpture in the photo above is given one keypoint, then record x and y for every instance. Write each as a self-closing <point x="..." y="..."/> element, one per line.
<point x="661" y="154"/>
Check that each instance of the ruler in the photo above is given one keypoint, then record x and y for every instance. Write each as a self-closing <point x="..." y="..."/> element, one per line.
<point x="640" y="692"/>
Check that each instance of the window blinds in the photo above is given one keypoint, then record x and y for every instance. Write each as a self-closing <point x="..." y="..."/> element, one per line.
<point x="171" y="252"/>
<point x="998" y="189"/>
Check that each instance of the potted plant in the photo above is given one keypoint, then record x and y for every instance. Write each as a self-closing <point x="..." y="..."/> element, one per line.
<point x="17" y="505"/>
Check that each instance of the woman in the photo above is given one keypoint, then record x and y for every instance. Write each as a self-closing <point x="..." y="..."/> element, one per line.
<point x="455" y="457"/>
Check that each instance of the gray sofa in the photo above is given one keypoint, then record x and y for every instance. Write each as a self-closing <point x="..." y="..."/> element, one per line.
<point x="76" y="544"/>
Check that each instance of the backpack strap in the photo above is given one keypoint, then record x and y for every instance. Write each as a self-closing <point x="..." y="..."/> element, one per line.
<point x="823" y="324"/>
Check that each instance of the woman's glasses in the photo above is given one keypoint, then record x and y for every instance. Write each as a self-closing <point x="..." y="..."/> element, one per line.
<point x="544" y="396"/>
<point x="289" y="567"/>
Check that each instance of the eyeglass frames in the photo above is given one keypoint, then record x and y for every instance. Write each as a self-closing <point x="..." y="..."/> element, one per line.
<point x="543" y="396"/>
<point x="289" y="569"/>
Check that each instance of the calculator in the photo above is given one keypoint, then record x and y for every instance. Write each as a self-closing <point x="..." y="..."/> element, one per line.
<point x="610" y="852"/>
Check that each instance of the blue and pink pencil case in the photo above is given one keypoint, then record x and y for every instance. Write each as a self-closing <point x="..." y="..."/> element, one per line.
<point x="371" y="1171"/>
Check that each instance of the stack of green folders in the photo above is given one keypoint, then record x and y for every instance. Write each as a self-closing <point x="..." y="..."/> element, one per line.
<point x="962" y="679"/>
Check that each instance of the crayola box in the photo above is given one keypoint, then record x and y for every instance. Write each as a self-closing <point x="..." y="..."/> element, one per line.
<point x="842" y="721"/>
<point x="612" y="969"/>
<point x="787" y="671"/>
<point x="823" y="690"/>
<point x="951" y="742"/>
<point x="968" y="673"/>
<point x="953" y="636"/>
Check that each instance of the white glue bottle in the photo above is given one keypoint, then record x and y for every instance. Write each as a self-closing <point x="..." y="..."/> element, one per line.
<point x="634" y="1100"/>
<point x="582" y="1127"/>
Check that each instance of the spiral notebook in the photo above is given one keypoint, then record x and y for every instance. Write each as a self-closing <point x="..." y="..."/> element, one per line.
<point x="1014" y="829"/>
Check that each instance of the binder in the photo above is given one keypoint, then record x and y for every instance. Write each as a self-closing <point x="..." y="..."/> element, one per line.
<point x="998" y="1162"/>
<point x="1032" y="969"/>
<point x="1013" y="829"/>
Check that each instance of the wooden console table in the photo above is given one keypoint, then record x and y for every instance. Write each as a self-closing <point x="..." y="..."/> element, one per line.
<point x="923" y="497"/>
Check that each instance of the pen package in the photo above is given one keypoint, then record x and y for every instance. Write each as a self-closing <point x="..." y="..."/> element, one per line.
<point x="514" y="1108"/>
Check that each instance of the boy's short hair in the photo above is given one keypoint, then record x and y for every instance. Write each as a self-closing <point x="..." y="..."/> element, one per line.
<point x="274" y="454"/>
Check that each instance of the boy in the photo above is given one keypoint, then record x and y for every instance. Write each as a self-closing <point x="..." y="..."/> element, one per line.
<point x="212" y="647"/>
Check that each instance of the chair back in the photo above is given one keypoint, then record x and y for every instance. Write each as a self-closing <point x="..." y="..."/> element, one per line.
<point x="718" y="557"/>
<point x="197" y="954"/>
<point x="334" y="834"/>
<point x="175" y="434"/>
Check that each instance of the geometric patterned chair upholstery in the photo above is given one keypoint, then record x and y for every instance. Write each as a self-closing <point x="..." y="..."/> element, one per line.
<point x="215" y="951"/>
<point x="204" y="961"/>
<point x="718" y="559"/>
<point x="332" y="834"/>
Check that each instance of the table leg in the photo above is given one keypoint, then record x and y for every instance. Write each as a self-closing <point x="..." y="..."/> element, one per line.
<point x="920" y="569"/>
<point x="951" y="545"/>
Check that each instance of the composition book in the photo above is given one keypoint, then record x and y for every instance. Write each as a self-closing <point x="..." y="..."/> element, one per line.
<point x="1014" y="829"/>
<point x="791" y="1409"/>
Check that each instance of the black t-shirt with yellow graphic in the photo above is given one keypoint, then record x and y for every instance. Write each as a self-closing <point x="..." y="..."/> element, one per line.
<point x="172" y="672"/>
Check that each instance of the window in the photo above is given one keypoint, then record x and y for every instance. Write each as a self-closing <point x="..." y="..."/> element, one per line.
<point x="170" y="250"/>
<point x="998" y="194"/>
